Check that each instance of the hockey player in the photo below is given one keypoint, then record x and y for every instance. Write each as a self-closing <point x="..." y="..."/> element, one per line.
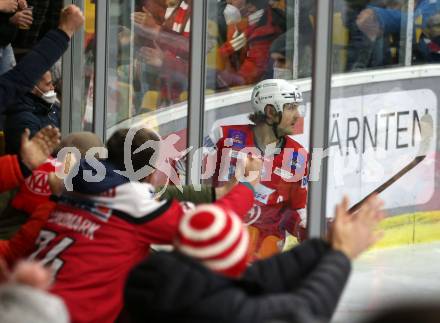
<point x="97" y="233"/>
<point x="281" y="196"/>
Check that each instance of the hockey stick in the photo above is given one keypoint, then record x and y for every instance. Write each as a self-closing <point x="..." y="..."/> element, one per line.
<point x="426" y="130"/>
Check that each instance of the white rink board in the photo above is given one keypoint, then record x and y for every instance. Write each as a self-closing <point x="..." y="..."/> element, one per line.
<point x="359" y="169"/>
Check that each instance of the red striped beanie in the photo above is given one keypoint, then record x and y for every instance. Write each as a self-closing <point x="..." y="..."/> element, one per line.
<point x="216" y="237"/>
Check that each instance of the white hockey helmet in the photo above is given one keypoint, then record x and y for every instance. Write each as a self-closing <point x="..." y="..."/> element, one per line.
<point x="275" y="92"/>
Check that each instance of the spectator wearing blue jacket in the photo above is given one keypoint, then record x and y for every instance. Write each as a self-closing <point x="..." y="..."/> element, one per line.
<point x="34" y="111"/>
<point x="376" y="23"/>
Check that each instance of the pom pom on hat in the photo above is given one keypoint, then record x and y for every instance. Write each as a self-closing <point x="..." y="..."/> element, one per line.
<point x="216" y="237"/>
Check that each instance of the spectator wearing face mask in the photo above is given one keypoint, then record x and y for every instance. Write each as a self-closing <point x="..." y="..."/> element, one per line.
<point x="282" y="67"/>
<point x="34" y="110"/>
<point x="281" y="49"/>
<point x="264" y="25"/>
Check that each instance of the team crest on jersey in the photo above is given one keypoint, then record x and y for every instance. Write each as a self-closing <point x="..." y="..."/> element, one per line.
<point x="38" y="183"/>
<point x="236" y="138"/>
<point x="298" y="161"/>
<point x="262" y="193"/>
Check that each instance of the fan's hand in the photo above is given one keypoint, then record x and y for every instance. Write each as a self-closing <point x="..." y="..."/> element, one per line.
<point x="35" y="151"/>
<point x="352" y="234"/>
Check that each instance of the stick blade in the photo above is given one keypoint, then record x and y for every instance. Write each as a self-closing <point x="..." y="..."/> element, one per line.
<point x="426" y="134"/>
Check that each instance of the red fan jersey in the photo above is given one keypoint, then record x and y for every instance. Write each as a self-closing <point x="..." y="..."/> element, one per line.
<point x="92" y="242"/>
<point x="281" y="197"/>
<point x="35" y="190"/>
<point x="10" y="173"/>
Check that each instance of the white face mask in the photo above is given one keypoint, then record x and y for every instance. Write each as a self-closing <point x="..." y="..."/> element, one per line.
<point x="50" y="96"/>
<point x="282" y="73"/>
<point x="232" y="14"/>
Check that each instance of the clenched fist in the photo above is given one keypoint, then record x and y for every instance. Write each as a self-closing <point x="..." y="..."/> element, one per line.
<point x="71" y="19"/>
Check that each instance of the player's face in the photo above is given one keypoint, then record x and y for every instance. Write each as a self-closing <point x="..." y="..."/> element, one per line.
<point x="289" y="118"/>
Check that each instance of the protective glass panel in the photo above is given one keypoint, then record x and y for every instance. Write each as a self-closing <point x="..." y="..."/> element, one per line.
<point x="83" y="77"/>
<point x="148" y="68"/>
<point x="383" y="126"/>
<point x="250" y="42"/>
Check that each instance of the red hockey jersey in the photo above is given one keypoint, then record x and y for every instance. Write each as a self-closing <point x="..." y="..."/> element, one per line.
<point x="282" y="192"/>
<point x="92" y="242"/>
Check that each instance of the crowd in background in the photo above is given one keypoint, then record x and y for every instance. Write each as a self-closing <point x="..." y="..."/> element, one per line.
<point x="252" y="40"/>
<point x="248" y="41"/>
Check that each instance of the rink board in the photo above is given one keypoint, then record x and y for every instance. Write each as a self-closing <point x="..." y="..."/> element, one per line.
<point x="419" y="227"/>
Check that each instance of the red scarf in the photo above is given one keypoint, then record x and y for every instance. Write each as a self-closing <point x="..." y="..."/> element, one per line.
<point x="180" y="25"/>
